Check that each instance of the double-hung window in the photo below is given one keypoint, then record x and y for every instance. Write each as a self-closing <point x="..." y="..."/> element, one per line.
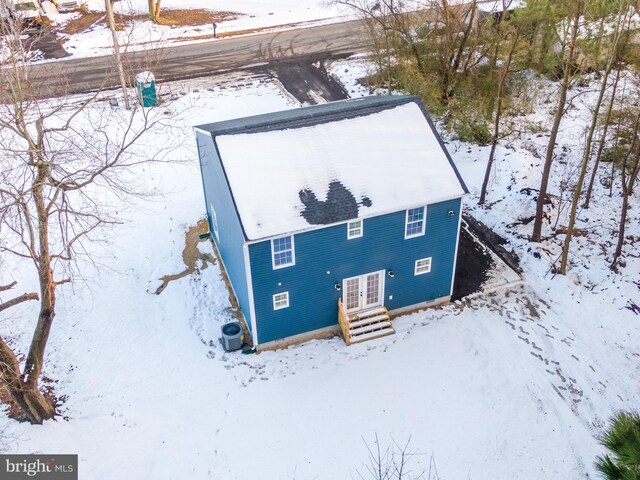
<point x="423" y="266"/>
<point x="280" y="300"/>
<point x="282" y="252"/>
<point x="354" y="229"/>
<point x="415" y="222"/>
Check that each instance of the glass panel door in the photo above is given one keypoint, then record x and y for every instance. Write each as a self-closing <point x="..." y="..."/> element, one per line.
<point x="363" y="292"/>
<point x="352" y="297"/>
<point x="372" y="283"/>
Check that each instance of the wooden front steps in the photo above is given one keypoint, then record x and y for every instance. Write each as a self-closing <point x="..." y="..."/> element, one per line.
<point x="365" y="325"/>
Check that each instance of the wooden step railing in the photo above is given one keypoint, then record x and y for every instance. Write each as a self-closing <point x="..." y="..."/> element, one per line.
<point x="343" y="320"/>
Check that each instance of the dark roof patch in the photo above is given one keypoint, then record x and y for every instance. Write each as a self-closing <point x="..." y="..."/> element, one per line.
<point x="339" y="206"/>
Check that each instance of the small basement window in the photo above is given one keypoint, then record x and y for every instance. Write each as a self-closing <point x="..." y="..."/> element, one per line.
<point x="280" y="300"/>
<point x="423" y="266"/>
<point x="354" y="229"/>
<point x="414" y="225"/>
<point x="282" y="252"/>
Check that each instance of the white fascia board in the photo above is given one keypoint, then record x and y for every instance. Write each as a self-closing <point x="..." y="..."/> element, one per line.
<point x="455" y="253"/>
<point x="252" y="308"/>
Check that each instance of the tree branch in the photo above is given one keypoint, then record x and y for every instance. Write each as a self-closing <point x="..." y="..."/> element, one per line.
<point x="8" y="287"/>
<point x="22" y="298"/>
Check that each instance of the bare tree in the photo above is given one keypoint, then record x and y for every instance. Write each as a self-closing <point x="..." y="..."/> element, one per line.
<point x="569" y="51"/>
<point x="629" y="171"/>
<point x="510" y="35"/>
<point x="603" y="136"/>
<point x="395" y="462"/>
<point x="618" y="40"/>
<point x="459" y="20"/>
<point x="59" y="159"/>
<point x="435" y="41"/>
<point x="390" y="27"/>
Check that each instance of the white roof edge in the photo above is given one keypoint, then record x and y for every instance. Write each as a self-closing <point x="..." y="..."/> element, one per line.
<point x="364" y="217"/>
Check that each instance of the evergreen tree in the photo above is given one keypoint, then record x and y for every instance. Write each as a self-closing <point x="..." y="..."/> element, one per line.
<point x="622" y="439"/>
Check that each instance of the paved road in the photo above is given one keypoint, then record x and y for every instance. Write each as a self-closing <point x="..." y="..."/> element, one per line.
<point x="305" y="45"/>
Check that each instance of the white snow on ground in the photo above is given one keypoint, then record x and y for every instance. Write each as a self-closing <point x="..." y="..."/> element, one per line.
<point x="353" y="151"/>
<point x="513" y="384"/>
<point x="143" y="34"/>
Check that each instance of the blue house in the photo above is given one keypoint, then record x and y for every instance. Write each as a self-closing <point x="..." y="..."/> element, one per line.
<point x="332" y="217"/>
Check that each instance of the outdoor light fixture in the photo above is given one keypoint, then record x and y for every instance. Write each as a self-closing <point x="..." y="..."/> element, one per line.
<point x="337" y="286"/>
<point x="451" y="213"/>
<point x="391" y="274"/>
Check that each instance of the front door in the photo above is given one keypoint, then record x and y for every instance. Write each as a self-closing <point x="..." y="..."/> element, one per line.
<point x="363" y="292"/>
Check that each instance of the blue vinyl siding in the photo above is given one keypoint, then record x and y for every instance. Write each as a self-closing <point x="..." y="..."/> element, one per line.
<point x="217" y="193"/>
<point x="313" y="299"/>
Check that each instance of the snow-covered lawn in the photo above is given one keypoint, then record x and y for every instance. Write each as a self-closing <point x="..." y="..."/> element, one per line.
<point x="249" y="16"/>
<point x="512" y="384"/>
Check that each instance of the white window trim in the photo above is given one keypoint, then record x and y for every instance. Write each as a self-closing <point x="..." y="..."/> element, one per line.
<point x="214" y="221"/>
<point x="293" y="254"/>
<point x="275" y="306"/>
<point x="416" y="272"/>
<point x="351" y="237"/>
<point x="406" y="223"/>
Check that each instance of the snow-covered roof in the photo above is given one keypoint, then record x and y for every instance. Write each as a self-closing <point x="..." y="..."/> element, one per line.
<point x="316" y="166"/>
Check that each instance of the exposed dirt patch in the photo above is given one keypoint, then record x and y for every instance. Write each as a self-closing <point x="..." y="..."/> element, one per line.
<point x="190" y="254"/>
<point x="84" y="22"/>
<point x="472" y="266"/>
<point x="494" y="241"/>
<point x="172" y="18"/>
<point x="237" y="33"/>
<point x="181" y="18"/>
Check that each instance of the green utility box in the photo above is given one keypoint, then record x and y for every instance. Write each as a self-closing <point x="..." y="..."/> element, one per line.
<point x="146" y="87"/>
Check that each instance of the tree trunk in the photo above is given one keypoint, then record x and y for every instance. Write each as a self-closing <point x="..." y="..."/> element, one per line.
<point x="154" y="10"/>
<point x="493" y="61"/>
<point x="444" y="60"/>
<point x="498" y="115"/>
<point x="621" y="229"/>
<point x="603" y="138"/>
<point x="465" y="37"/>
<point x="537" y="225"/>
<point x="35" y="357"/>
<point x="577" y="193"/>
<point x="627" y="186"/>
<point x="627" y="189"/>
<point x="454" y="63"/>
<point x="35" y="406"/>
<point x="116" y="51"/>
<point x="157" y="16"/>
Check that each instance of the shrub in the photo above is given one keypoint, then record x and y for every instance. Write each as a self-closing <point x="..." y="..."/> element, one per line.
<point x="473" y="130"/>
